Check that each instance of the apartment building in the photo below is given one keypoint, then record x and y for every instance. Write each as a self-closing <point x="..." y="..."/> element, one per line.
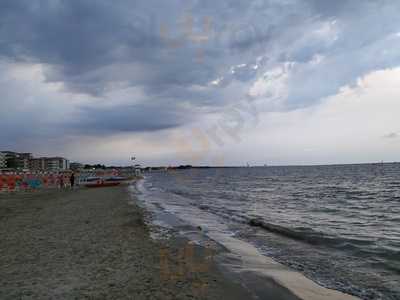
<point x="37" y="164"/>
<point x="3" y="161"/>
<point x="49" y="164"/>
<point x="15" y="160"/>
<point x="56" y="163"/>
<point x="25" y="161"/>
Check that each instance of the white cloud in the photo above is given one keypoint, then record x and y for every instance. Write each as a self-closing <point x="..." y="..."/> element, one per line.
<point x="327" y="31"/>
<point x="344" y="128"/>
<point x="272" y="85"/>
<point x="317" y="59"/>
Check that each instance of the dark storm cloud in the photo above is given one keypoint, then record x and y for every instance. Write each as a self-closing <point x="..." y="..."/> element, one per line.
<point x="172" y="51"/>
<point x="131" y="118"/>
<point x="76" y="37"/>
<point x="80" y="37"/>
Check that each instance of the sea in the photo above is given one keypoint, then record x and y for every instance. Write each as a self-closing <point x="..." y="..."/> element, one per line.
<point x="339" y="225"/>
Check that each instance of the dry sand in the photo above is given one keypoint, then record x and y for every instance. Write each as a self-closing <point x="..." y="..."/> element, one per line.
<point x="91" y="243"/>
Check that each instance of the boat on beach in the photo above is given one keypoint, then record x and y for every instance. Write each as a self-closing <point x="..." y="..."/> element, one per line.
<point x="97" y="182"/>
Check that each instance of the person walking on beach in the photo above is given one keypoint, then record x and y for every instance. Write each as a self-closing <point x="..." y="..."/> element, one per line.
<point x="72" y="180"/>
<point x="61" y="181"/>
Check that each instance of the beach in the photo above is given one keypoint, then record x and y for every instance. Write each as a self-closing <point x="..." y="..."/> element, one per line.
<point x="94" y="244"/>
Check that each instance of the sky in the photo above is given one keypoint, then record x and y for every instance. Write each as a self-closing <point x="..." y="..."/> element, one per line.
<point x="201" y="82"/>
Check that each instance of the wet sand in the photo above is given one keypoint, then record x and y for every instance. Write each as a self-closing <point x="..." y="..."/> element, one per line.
<point x="94" y="244"/>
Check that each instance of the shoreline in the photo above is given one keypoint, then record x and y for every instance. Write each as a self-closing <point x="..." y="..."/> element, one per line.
<point x="241" y="260"/>
<point x="94" y="243"/>
<point x="262" y="267"/>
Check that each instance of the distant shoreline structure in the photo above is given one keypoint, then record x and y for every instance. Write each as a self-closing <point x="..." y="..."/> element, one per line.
<point x="186" y="167"/>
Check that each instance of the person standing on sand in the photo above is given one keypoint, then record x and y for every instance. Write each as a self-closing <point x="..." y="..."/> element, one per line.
<point x="72" y="180"/>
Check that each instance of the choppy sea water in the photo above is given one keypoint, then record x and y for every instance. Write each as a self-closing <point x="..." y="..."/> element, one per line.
<point x="338" y="225"/>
